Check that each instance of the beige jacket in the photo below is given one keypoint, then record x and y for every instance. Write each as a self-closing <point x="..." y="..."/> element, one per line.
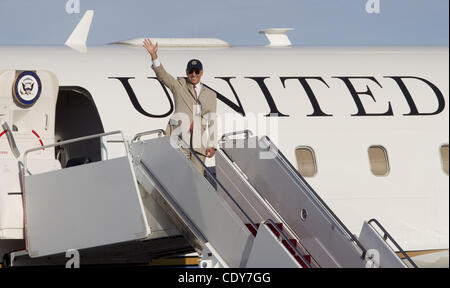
<point x="185" y="101"/>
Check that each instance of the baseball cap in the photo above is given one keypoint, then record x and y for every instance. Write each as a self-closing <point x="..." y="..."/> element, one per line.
<point x="194" y="64"/>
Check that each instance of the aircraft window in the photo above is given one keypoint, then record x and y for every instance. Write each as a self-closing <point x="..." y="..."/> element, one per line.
<point x="306" y="161"/>
<point x="444" y="156"/>
<point x="379" y="163"/>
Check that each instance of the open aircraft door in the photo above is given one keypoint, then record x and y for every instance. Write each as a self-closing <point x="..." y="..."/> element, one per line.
<point x="27" y="119"/>
<point x="85" y="206"/>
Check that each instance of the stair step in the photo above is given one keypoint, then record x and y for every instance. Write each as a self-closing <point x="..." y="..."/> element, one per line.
<point x="252" y="229"/>
<point x="274" y="230"/>
<point x="289" y="247"/>
<point x="293" y="241"/>
<point x="307" y="258"/>
<point x="284" y="242"/>
<point x="292" y="251"/>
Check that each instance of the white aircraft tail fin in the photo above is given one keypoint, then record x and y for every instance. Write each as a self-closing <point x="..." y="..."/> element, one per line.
<point x="80" y="34"/>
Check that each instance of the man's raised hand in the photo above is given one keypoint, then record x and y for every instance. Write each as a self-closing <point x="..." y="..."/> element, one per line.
<point x="152" y="49"/>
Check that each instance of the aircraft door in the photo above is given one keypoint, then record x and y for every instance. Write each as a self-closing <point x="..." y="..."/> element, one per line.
<point x="27" y="112"/>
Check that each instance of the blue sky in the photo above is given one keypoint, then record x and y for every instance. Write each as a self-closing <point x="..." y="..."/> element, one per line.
<point x="316" y="22"/>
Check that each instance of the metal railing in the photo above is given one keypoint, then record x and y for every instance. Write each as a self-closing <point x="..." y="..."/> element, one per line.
<point x="25" y="156"/>
<point x="302" y="182"/>
<point x="245" y="132"/>
<point x="146" y="133"/>
<point x="267" y="206"/>
<point x="214" y="178"/>
<point x="175" y="206"/>
<point x="198" y="238"/>
<point x="388" y="236"/>
<point x="11" y="141"/>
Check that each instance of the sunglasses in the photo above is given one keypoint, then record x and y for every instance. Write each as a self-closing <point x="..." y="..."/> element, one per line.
<point x="192" y="71"/>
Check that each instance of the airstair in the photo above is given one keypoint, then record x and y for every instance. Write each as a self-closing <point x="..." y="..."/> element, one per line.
<point x="255" y="211"/>
<point x="269" y="187"/>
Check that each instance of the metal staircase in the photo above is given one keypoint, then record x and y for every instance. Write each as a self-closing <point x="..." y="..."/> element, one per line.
<point x="209" y="223"/>
<point x="268" y="185"/>
<point x="257" y="212"/>
<point x="255" y="184"/>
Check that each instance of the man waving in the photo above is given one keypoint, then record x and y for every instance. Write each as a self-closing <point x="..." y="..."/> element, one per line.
<point x="194" y="103"/>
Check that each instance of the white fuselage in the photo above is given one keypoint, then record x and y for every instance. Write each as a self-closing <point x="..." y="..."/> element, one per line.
<point x="411" y="201"/>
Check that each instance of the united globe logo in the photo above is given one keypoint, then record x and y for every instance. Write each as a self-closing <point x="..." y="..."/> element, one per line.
<point x="27" y="89"/>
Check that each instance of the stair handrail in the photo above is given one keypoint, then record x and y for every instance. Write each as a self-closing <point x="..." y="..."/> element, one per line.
<point x="245" y="132"/>
<point x="214" y="178"/>
<point x="267" y="206"/>
<point x="80" y="139"/>
<point x="193" y="228"/>
<point x="389" y="236"/>
<point x="145" y="133"/>
<point x="299" y="177"/>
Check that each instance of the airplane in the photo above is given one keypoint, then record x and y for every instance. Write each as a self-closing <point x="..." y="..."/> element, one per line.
<point x="368" y="127"/>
